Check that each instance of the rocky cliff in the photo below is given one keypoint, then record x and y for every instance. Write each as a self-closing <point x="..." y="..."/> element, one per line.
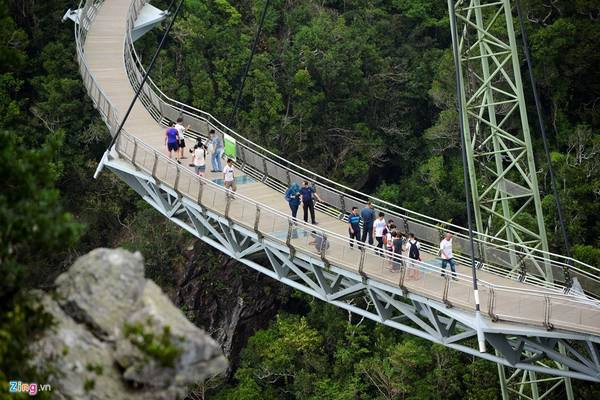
<point x="117" y="336"/>
<point x="230" y="300"/>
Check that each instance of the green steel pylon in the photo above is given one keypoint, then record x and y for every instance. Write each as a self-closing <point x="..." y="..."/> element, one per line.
<point x="500" y="157"/>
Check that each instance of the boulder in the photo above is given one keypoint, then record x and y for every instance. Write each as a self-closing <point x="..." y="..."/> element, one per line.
<point x="116" y="335"/>
<point x="102" y="289"/>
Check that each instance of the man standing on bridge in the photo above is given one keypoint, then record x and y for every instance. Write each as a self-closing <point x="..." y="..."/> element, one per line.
<point x="181" y="130"/>
<point x="229" y="176"/>
<point x="354" y="226"/>
<point x="172" y="141"/>
<point x="447" y="256"/>
<point x="368" y="216"/>
<point x="217" y="146"/>
<point x="308" y="203"/>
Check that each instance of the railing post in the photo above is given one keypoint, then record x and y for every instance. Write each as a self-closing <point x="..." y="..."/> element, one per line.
<point x="154" y="166"/>
<point x="403" y="267"/>
<point x="343" y="206"/>
<point x="229" y="197"/>
<point x="361" y="264"/>
<point x="118" y="148"/>
<point x="492" y="305"/>
<point x="265" y="172"/>
<point x="547" y="314"/>
<point x="445" y="295"/>
<point x="288" y="239"/>
<point x="200" y="190"/>
<point x="324" y="245"/>
<point x="176" y="184"/>
<point x="242" y="156"/>
<point x="406" y="227"/>
<point x="259" y="235"/>
<point x="135" y="146"/>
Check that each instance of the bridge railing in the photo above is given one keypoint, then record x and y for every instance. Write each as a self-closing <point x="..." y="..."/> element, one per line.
<point x="95" y="92"/>
<point x="493" y="253"/>
<point x="544" y="308"/>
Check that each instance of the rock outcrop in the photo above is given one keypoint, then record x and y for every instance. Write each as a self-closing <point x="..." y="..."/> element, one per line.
<point x="228" y="299"/>
<point x="118" y="336"/>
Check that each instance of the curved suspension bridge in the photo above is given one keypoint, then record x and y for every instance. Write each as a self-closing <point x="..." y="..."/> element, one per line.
<point x="531" y="324"/>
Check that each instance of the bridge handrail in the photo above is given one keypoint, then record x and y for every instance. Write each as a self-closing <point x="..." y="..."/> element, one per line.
<point x="101" y="101"/>
<point x="558" y="260"/>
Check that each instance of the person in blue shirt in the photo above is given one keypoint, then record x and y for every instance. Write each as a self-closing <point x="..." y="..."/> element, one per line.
<point x="172" y="141"/>
<point x="354" y="226"/>
<point x="368" y="216"/>
<point x="217" y="145"/>
<point x="292" y="195"/>
<point x="308" y="201"/>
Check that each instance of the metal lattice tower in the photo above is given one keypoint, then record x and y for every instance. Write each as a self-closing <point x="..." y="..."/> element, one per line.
<point x="500" y="158"/>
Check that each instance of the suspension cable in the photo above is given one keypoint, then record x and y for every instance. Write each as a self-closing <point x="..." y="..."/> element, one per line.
<point x="459" y="106"/>
<point x="170" y="5"/>
<point x="248" y="64"/>
<point x="538" y="107"/>
<point x="145" y="77"/>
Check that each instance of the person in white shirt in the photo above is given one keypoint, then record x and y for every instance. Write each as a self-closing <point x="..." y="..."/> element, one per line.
<point x="181" y="129"/>
<point x="229" y="176"/>
<point x="413" y="251"/>
<point x="447" y="256"/>
<point x="378" y="227"/>
<point x="199" y="159"/>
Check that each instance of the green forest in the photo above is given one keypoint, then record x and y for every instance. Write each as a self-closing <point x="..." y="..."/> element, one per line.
<point x="361" y="91"/>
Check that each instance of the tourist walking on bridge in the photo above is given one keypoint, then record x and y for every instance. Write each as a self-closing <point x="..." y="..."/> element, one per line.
<point x="292" y="195"/>
<point x="172" y="141"/>
<point x="199" y="159"/>
<point x="447" y="256"/>
<point x="413" y="248"/>
<point x="354" y="226"/>
<point x="217" y="145"/>
<point x="378" y="227"/>
<point x="397" y="247"/>
<point x="229" y="176"/>
<point x="181" y="130"/>
<point x="308" y="201"/>
<point x="368" y="216"/>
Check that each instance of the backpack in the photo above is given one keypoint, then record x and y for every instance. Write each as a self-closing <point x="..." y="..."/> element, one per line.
<point x="413" y="251"/>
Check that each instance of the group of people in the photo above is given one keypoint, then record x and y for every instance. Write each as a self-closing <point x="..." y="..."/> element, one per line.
<point x="305" y="194"/>
<point x="391" y="243"/>
<point x="175" y="144"/>
<point x="175" y="139"/>
<point x="363" y="226"/>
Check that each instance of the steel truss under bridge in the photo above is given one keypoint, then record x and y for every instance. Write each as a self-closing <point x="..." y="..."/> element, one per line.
<point x="436" y="309"/>
<point x="501" y="165"/>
